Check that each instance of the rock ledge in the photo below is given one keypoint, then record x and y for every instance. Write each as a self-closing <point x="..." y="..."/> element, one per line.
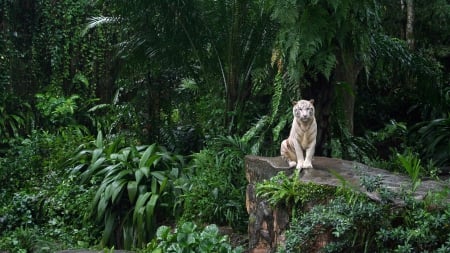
<point x="266" y="225"/>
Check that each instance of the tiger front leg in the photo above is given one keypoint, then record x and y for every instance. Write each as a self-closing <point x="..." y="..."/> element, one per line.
<point x="309" y="154"/>
<point x="299" y="154"/>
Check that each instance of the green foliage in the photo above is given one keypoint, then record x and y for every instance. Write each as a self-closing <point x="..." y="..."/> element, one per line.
<point x="290" y="192"/>
<point x="432" y="140"/>
<point x="360" y="225"/>
<point x="38" y="198"/>
<point x="134" y="185"/>
<point x="188" y="237"/>
<point x="46" y="220"/>
<point x="39" y="158"/>
<point x="58" y="109"/>
<point x="340" y="226"/>
<point x="65" y="209"/>
<point x="411" y="163"/>
<point x="15" y="119"/>
<point x="117" y="118"/>
<point x="350" y="222"/>
<point x="312" y="33"/>
<point x="22" y="240"/>
<point x="269" y="127"/>
<point x="21" y="211"/>
<point x="417" y="228"/>
<point x="350" y="147"/>
<point x="211" y="191"/>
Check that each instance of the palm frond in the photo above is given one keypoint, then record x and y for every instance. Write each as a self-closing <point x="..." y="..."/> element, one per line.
<point x="98" y="21"/>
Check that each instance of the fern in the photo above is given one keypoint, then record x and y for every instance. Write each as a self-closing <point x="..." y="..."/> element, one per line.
<point x="258" y="134"/>
<point x="322" y="28"/>
<point x="277" y="96"/>
<point x="256" y="129"/>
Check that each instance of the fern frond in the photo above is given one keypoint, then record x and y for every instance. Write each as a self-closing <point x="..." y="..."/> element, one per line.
<point x="280" y="126"/>
<point x="97" y="21"/>
<point x="277" y="96"/>
<point x="325" y="63"/>
<point x="256" y="129"/>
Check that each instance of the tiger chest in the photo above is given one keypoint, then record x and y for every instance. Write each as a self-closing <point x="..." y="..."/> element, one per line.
<point x="305" y="140"/>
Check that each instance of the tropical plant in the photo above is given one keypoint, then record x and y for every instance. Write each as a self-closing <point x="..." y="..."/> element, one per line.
<point x="212" y="186"/>
<point x="326" y="43"/>
<point x="290" y="192"/>
<point x="336" y="227"/>
<point x="183" y="36"/>
<point x="21" y="240"/>
<point x="416" y="228"/>
<point x="188" y="237"/>
<point x="269" y="128"/>
<point x="411" y="163"/>
<point x="432" y="140"/>
<point x="208" y="193"/>
<point x="56" y="108"/>
<point x="134" y="188"/>
<point x="15" y="119"/>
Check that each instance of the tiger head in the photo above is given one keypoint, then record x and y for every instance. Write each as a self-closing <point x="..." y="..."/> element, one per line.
<point x="303" y="110"/>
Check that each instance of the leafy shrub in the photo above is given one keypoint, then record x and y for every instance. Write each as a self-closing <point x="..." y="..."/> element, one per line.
<point x="417" y="228"/>
<point x="213" y="185"/>
<point x="38" y="159"/>
<point x="209" y="194"/>
<point x="433" y="140"/>
<point x="14" y="119"/>
<point x="411" y="163"/>
<point x="52" y="214"/>
<point x="189" y="238"/>
<point x="350" y="222"/>
<point x="290" y="192"/>
<point x="134" y="186"/>
<point x="22" y="240"/>
<point x="65" y="212"/>
<point x="57" y="109"/>
<point x="21" y="211"/>
<point x="343" y="227"/>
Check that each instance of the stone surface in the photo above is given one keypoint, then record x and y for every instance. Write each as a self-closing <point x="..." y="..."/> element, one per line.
<point x="266" y="225"/>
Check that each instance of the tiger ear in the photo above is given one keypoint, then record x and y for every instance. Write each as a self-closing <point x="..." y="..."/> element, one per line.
<point x="294" y="102"/>
<point x="311" y="101"/>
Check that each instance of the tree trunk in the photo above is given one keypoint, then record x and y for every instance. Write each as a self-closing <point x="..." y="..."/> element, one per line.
<point x="346" y="74"/>
<point x="410" y="23"/>
<point x="238" y="88"/>
<point x="321" y="90"/>
<point x="232" y="82"/>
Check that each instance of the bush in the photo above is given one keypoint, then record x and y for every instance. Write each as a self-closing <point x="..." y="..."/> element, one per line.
<point x="291" y="193"/>
<point x="433" y="140"/>
<point x="350" y="222"/>
<point x="40" y="159"/>
<point x="189" y="238"/>
<point x="418" y="227"/>
<point x="213" y="185"/>
<point x="340" y="226"/>
<point x="53" y="216"/>
<point x="209" y="194"/>
<point x="133" y="188"/>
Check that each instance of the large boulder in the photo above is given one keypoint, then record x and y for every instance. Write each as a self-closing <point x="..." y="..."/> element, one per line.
<point x="267" y="225"/>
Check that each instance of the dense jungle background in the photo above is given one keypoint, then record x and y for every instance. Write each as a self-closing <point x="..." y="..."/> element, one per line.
<point x="122" y="119"/>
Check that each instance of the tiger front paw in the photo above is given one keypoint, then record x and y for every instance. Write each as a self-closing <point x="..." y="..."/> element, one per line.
<point x="292" y="164"/>
<point x="307" y="165"/>
<point x="299" y="165"/>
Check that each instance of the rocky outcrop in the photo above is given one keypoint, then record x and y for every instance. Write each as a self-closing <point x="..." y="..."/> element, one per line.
<point x="267" y="225"/>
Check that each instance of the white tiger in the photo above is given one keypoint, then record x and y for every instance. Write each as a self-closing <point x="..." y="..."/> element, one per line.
<point x="302" y="136"/>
